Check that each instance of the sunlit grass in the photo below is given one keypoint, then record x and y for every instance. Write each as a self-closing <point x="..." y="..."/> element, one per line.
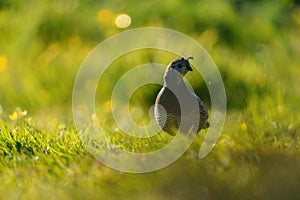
<point x="245" y="154"/>
<point x="255" y="46"/>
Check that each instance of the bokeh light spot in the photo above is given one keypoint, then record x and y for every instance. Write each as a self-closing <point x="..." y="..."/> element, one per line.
<point x="123" y="21"/>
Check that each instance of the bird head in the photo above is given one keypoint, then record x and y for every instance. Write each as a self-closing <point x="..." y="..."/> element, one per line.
<point x="176" y="70"/>
<point x="181" y="65"/>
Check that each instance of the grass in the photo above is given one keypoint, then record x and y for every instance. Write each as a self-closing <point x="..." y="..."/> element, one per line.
<point x="46" y="164"/>
<point x="255" y="45"/>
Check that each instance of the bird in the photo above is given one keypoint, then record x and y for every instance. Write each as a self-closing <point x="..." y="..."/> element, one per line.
<point x="177" y="108"/>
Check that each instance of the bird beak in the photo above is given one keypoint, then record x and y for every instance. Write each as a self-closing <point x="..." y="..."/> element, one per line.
<point x="188" y="68"/>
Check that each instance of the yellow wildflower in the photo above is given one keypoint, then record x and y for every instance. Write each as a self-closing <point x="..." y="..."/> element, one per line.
<point x="24" y="113"/>
<point x="13" y="117"/>
<point x="21" y="112"/>
<point x="244" y="126"/>
<point x="3" y="63"/>
<point x="104" y="16"/>
<point x="107" y="106"/>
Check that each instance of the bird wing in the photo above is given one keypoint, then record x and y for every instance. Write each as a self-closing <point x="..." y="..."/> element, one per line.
<point x="203" y="114"/>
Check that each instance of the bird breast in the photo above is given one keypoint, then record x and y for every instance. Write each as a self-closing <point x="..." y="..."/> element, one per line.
<point x="177" y="109"/>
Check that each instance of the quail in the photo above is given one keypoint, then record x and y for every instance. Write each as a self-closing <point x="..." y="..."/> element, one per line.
<point x="177" y="108"/>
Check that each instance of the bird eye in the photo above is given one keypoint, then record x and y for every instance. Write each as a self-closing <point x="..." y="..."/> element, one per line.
<point x="179" y="65"/>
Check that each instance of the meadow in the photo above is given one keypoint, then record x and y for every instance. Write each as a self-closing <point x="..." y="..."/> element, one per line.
<point x="256" y="46"/>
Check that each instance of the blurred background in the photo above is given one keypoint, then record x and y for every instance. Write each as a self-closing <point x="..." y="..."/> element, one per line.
<point x="254" y="43"/>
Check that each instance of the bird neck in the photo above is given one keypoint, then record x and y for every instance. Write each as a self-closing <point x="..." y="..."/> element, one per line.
<point x="173" y="78"/>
